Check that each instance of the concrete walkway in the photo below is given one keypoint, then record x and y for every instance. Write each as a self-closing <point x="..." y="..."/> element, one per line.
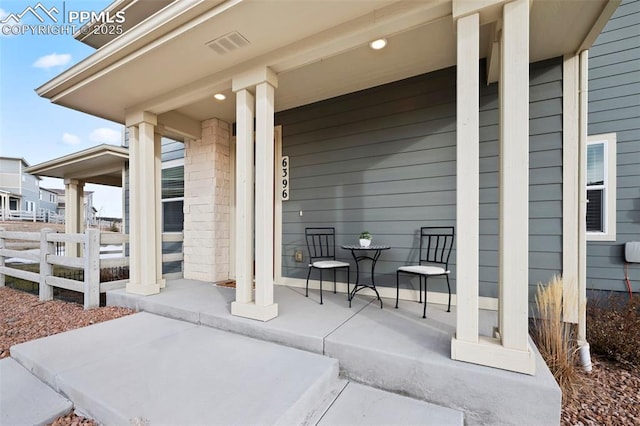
<point x="187" y="360"/>
<point x="148" y="369"/>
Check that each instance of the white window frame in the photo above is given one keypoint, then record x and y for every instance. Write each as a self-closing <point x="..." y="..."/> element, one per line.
<point x="609" y="211"/>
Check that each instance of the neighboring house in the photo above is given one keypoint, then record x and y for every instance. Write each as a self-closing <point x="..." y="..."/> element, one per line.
<point x="613" y="157"/>
<point x="385" y="140"/>
<point x="48" y="201"/>
<point x="88" y="211"/>
<point x="20" y="192"/>
<point x="20" y="189"/>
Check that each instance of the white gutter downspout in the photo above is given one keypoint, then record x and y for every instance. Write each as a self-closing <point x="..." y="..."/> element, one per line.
<point x="585" y="357"/>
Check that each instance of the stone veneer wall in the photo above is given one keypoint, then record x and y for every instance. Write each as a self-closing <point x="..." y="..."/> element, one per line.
<point x="207" y="189"/>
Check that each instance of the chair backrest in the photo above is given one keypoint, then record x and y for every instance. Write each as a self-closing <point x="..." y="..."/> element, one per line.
<point x="321" y="243"/>
<point x="436" y="243"/>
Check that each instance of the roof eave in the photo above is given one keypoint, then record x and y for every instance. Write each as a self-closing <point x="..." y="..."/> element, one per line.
<point x="148" y="32"/>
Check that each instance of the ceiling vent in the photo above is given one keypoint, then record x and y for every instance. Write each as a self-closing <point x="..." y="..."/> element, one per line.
<point x="228" y="43"/>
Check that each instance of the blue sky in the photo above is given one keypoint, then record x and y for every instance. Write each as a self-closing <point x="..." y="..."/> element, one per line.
<point x="34" y="128"/>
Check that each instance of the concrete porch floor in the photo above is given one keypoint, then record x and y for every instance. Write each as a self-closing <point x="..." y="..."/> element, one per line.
<point x="390" y="349"/>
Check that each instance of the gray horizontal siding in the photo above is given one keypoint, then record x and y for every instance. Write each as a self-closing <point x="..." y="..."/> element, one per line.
<point x="614" y="107"/>
<point x="384" y="160"/>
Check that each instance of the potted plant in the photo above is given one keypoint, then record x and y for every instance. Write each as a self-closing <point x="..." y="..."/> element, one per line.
<point x="365" y="239"/>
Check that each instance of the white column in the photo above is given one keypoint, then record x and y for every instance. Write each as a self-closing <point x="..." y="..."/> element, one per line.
<point x="244" y="197"/>
<point x="570" y="187"/>
<point x="509" y="348"/>
<point x="157" y="158"/>
<point x="468" y="175"/>
<point x="263" y="81"/>
<point x="144" y="215"/>
<point x="264" y="194"/>
<point x="514" y="177"/>
<point x="134" y="205"/>
<point x="73" y="191"/>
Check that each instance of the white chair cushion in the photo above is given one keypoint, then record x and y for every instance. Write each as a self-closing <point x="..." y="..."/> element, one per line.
<point x="325" y="264"/>
<point x="423" y="270"/>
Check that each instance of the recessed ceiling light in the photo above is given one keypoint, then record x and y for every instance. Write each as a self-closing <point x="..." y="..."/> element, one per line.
<point x="220" y="96"/>
<point x="378" y="44"/>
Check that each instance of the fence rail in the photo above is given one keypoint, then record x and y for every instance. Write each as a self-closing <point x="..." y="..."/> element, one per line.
<point x="89" y="273"/>
<point x="32" y="216"/>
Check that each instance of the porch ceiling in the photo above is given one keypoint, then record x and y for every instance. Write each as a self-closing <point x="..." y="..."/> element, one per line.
<point x="102" y="164"/>
<point x="318" y="52"/>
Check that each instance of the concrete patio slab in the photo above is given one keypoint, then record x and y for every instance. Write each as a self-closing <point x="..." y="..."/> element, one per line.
<point x="391" y="349"/>
<point x="362" y="405"/>
<point x="187" y="375"/>
<point x="183" y="299"/>
<point x="75" y="349"/>
<point x="302" y="322"/>
<point x="398" y="351"/>
<point x="25" y="400"/>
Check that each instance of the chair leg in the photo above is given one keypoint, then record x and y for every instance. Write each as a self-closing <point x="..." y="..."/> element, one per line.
<point x="449" y="287"/>
<point x="397" y="287"/>
<point x="334" y="281"/>
<point x="424" y="309"/>
<point x="321" y="286"/>
<point x="420" y="292"/>
<point x="308" y="275"/>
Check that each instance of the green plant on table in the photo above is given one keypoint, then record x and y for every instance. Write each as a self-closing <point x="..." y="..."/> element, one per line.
<point x="365" y="235"/>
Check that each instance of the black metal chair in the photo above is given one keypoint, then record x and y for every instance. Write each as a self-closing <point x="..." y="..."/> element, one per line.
<point x="321" y="243"/>
<point x="435" y="249"/>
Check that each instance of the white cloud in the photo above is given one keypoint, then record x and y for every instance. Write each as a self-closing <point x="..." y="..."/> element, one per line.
<point x="70" y="139"/>
<point x="106" y="135"/>
<point x="53" y="60"/>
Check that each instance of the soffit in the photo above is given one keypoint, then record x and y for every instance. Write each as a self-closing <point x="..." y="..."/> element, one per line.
<point x="182" y="73"/>
<point x="102" y="165"/>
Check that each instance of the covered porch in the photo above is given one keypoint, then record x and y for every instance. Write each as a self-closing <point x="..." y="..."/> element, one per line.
<point x="390" y="349"/>
<point x="230" y="49"/>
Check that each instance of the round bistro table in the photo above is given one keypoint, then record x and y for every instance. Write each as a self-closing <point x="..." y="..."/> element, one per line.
<point x="359" y="254"/>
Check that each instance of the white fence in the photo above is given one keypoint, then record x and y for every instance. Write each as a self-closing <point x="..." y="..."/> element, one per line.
<point x="26" y="215"/>
<point x="90" y="262"/>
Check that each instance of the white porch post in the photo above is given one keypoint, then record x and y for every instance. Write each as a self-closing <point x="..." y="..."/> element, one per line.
<point x="144" y="214"/>
<point x="509" y="348"/>
<point x="263" y="81"/>
<point x="514" y="177"/>
<point x="73" y="195"/>
<point x="244" y="198"/>
<point x="264" y="187"/>
<point x="468" y="175"/>
<point x="157" y="158"/>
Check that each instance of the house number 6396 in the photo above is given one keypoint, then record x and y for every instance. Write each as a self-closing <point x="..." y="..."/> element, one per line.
<point x="284" y="179"/>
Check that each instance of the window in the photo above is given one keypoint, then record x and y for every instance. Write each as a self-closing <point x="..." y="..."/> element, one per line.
<point x="601" y="187"/>
<point x="173" y="196"/>
<point x="173" y="182"/>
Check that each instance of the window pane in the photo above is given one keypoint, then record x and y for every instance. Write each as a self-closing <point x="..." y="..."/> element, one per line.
<point x="173" y="216"/>
<point x="173" y="182"/>
<point x="595" y="213"/>
<point x="595" y="164"/>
